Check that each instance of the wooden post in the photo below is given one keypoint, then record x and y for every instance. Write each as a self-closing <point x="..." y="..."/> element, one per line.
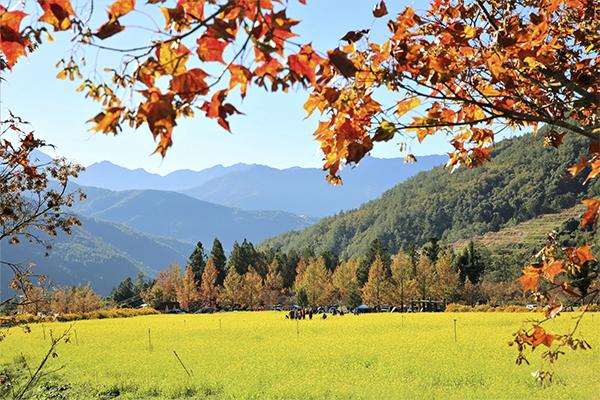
<point x="76" y="340"/>
<point x="454" y="331"/>
<point x="149" y="341"/>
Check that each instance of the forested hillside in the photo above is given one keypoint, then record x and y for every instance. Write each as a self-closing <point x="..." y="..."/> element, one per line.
<point x="523" y="181"/>
<point x="176" y="215"/>
<point x="100" y="252"/>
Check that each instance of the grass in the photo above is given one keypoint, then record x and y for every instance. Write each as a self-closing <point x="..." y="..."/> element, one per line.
<point x="263" y="355"/>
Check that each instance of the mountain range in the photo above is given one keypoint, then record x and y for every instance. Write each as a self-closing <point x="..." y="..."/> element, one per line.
<point x="302" y="191"/>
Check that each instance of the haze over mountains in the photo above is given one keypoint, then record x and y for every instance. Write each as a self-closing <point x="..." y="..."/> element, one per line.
<point x="302" y="191"/>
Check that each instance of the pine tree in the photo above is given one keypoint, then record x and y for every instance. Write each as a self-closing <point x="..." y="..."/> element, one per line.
<point x="197" y="261"/>
<point x="220" y="260"/>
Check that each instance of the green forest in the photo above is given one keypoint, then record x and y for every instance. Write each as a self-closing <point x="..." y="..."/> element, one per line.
<point x="523" y="181"/>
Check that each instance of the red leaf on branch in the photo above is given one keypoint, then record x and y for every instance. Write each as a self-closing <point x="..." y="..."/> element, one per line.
<point x="591" y="215"/>
<point x="216" y="109"/>
<point x="305" y="63"/>
<point x="159" y="114"/>
<point x="240" y="75"/>
<point x="540" y="337"/>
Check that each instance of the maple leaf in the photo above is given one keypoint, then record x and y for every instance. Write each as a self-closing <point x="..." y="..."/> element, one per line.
<point x="109" y="29"/>
<point x="405" y="106"/>
<point x="554" y="139"/>
<point x="159" y="114"/>
<point x="210" y="49"/>
<point x="12" y="43"/>
<point x="57" y="13"/>
<point x="189" y="84"/>
<point x="340" y="61"/>
<point x="355" y="36"/>
<point x="240" y="75"/>
<point x="539" y="336"/>
<point x="591" y="215"/>
<point x="380" y="10"/>
<point x="580" y="255"/>
<point x="172" y="58"/>
<point x="554" y="268"/>
<point x="576" y="169"/>
<point x="108" y="121"/>
<point x="216" y="109"/>
<point x="121" y="7"/>
<point x="305" y="63"/>
<point x="530" y="277"/>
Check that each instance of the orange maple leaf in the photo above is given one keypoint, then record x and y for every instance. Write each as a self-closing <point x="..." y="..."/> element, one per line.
<point x="121" y="7"/>
<point x="108" y="121"/>
<point x="576" y="169"/>
<point x="240" y="75"/>
<point x="12" y="43"/>
<point x="553" y="269"/>
<point x="172" y="59"/>
<point x="591" y="215"/>
<point x="540" y="337"/>
<point x="57" y="13"/>
<point x="189" y="84"/>
<point x="210" y="49"/>
<point x="530" y="277"/>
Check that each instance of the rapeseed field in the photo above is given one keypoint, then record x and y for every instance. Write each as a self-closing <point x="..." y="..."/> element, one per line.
<point x="262" y="355"/>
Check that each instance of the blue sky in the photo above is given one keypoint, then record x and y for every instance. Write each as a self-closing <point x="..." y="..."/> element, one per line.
<point x="273" y="130"/>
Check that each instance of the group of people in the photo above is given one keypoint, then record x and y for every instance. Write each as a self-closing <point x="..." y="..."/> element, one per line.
<point x="301" y="313"/>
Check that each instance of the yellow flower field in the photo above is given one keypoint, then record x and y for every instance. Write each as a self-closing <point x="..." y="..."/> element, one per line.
<point x="263" y="355"/>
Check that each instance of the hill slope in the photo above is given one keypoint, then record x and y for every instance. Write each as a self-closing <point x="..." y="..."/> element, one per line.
<point x="101" y="252"/>
<point x="523" y="181"/>
<point x="176" y="215"/>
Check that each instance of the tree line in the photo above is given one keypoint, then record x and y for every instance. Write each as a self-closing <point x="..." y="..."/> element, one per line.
<point x="253" y="278"/>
